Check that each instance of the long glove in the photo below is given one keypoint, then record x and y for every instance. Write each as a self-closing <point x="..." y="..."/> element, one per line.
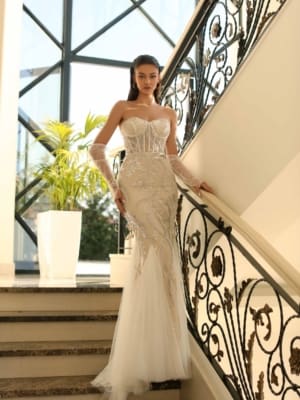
<point x="182" y="172"/>
<point x="97" y="152"/>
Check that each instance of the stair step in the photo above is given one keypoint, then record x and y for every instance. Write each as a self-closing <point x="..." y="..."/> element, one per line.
<point x="41" y="359"/>
<point x="25" y="349"/>
<point x="53" y="341"/>
<point x="50" y="316"/>
<point x="90" y="297"/>
<point x="66" y="387"/>
<point x="79" y="325"/>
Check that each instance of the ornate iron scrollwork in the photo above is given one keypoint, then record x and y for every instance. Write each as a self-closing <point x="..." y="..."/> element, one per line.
<point x="240" y="316"/>
<point x="294" y="359"/>
<point x="225" y="35"/>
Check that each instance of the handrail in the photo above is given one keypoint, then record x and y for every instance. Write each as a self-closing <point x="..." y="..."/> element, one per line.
<point x="287" y="272"/>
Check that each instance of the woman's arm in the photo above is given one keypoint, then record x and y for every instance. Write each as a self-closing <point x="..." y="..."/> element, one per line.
<point x="177" y="165"/>
<point x="98" y="148"/>
<point x="171" y="145"/>
<point x="114" y="118"/>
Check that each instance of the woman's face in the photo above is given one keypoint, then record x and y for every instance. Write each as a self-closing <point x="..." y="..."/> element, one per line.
<point x="146" y="78"/>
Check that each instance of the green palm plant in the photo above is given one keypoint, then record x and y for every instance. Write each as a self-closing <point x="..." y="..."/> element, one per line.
<point x="70" y="178"/>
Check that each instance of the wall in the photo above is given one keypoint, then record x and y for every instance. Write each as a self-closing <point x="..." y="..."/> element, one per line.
<point x="279" y="222"/>
<point x="10" y="27"/>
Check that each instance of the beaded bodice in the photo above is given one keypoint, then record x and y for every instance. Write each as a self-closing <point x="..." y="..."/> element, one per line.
<point x="141" y="135"/>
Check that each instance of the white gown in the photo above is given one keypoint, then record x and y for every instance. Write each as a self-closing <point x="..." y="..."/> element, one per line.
<point x="150" y="342"/>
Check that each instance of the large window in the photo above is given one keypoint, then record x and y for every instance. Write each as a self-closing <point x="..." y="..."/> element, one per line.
<point x="75" y="59"/>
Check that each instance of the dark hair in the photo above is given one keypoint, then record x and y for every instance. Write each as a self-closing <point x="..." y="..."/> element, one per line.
<point x="142" y="60"/>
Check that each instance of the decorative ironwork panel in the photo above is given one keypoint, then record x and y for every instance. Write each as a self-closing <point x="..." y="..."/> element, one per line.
<point x="238" y="312"/>
<point x="216" y="44"/>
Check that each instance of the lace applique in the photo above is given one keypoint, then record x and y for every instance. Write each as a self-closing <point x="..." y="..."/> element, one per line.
<point x="149" y="187"/>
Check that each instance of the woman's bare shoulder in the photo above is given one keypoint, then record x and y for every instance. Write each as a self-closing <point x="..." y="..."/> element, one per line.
<point x="120" y="105"/>
<point x="123" y="105"/>
<point x="118" y="109"/>
<point x="170" y="112"/>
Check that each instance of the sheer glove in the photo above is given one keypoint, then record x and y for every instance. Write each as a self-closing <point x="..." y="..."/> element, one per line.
<point x="97" y="152"/>
<point x="182" y="172"/>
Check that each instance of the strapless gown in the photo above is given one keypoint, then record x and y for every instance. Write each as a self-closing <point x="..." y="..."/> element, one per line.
<point x="150" y="342"/>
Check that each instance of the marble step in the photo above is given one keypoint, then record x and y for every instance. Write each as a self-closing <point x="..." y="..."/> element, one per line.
<point x="41" y="359"/>
<point x="56" y="325"/>
<point x="88" y="297"/>
<point x="74" y="388"/>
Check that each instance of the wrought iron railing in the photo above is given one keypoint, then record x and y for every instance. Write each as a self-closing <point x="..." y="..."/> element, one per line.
<point x="239" y="313"/>
<point x="218" y="39"/>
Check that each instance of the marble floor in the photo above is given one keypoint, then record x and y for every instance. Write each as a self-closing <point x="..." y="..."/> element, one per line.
<point x="33" y="280"/>
<point x="89" y="273"/>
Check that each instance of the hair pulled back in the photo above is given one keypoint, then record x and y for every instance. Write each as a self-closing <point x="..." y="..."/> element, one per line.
<point x="142" y="60"/>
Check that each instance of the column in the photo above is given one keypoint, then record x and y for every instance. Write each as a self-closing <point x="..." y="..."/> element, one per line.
<point x="10" y="38"/>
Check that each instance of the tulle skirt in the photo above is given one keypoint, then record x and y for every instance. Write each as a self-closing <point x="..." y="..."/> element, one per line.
<point x="150" y="342"/>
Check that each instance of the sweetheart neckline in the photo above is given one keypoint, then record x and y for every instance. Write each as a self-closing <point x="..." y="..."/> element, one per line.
<point x="146" y="120"/>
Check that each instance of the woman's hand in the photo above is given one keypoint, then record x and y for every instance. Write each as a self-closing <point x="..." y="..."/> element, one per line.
<point x="203" y="186"/>
<point x="120" y="201"/>
<point x="206" y="187"/>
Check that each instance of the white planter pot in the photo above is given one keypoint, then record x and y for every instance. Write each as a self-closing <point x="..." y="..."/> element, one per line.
<point x="58" y="247"/>
<point x="119" y="266"/>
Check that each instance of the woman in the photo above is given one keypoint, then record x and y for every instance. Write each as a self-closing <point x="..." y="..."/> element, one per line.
<point x="151" y="341"/>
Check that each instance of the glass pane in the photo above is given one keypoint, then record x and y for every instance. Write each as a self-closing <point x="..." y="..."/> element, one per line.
<point x="30" y="153"/>
<point x="50" y="13"/>
<point x="133" y="44"/>
<point x="89" y="16"/>
<point x="102" y="86"/>
<point x="25" y="251"/>
<point x="38" y="52"/>
<point x="171" y="15"/>
<point x="42" y="101"/>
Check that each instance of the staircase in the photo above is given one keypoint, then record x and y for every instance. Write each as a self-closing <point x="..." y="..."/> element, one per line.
<point x="53" y="341"/>
<point x="248" y="148"/>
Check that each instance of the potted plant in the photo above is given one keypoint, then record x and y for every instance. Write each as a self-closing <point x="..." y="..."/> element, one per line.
<point x="69" y="179"/>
